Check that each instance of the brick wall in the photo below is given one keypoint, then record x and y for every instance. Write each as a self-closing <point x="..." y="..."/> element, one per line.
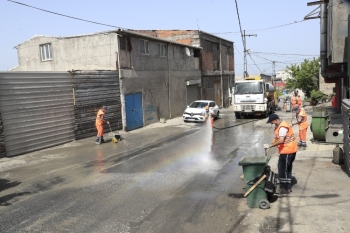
<point x="207" y="61"/>
<point x="231" y="63"/>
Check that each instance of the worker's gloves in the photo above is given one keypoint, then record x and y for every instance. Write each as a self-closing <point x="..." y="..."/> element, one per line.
<point x="266" y="146"/>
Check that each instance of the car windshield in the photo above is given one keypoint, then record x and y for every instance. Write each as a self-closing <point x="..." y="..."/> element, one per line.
<point x="249" y="88"/>
<point x="198" y="104"/>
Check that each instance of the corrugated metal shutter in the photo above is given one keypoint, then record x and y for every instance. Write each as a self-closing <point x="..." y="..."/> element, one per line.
<point x="2" y="143"/>
<point x="92" y="90"/>
<point x="36" y="109"/>
<point x="346" y="133"/>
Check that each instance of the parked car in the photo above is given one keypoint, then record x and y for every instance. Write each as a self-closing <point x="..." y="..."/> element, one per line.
<point x="195" y="111"/>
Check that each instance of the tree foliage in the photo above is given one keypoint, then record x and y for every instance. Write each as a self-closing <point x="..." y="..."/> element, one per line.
<point x="305" y="76"/>
<point x="317" y="95"/>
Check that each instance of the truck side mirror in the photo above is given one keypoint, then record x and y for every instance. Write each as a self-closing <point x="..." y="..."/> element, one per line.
<point x="267" y="87"/>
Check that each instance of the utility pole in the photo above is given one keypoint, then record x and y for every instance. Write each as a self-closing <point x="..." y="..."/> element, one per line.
<point x="245" y="73"/>
<point x="274" y="74"/>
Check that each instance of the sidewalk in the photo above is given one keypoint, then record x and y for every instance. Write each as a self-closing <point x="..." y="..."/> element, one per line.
<point x="319" y="201"/>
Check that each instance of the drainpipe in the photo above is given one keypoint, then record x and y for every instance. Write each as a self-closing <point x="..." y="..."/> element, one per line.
<point x="323" y="53"/>
<point x="169" y="99"/>
<point x="222" y="85"/>
<point x="122" y="97"/>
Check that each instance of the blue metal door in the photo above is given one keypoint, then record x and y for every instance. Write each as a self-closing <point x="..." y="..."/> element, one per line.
<point x="133" y="109"/>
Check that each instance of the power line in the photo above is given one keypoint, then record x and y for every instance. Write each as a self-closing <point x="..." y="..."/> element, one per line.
<point x="254" y="61"/>
<point x="241" y="56"/>
<point x="64" y="15"/>
<point x="262" y="29"/>
<point x="282" y="62"/>
<point x="307" y="55"/>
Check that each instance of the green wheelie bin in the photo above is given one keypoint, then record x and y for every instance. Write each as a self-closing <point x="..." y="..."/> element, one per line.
<point x="253" y="167"/>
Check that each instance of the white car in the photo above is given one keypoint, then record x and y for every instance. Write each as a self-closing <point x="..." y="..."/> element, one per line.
<point x="196" y="112"/>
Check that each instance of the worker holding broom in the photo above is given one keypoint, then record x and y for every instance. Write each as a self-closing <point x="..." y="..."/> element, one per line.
<point x="287" y="148"/>
<point x="302" y="122"/>
<point x="100" y="119"/>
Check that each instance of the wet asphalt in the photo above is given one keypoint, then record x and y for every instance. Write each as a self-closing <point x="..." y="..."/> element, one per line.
<point x="172" y="177"/>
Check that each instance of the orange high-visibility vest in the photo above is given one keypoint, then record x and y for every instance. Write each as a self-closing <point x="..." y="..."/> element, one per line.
<point x="99" y="117"/>
<point x="289" y="145"/>
<point x="299" y="101"/>
<point x="303" y="124"/>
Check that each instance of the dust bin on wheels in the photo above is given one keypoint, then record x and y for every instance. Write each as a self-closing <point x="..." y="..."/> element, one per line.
<point x="253" y="168"/>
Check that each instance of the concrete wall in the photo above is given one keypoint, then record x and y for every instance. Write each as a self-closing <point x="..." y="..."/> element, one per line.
<point x="326" y="88"/>
<point x="88" y="52"/>
<point x="155" y="76"/>
<point x="209" y="58"/>
<point x="338" y="12"/>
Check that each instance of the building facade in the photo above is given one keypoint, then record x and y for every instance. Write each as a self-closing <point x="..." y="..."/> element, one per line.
<point x="216" y="60"/>
<point x="282" y="75"/>
<point x="158" y="78"/>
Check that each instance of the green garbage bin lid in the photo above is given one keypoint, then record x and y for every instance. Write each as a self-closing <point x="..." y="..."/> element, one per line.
<point x="254" y="160"/>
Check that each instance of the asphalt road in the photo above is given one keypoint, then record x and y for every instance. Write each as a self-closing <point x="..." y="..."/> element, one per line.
<point x="186" y="182"/>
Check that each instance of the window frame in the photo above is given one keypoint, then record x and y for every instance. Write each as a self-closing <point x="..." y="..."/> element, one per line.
<point x="145" y="47"/>
<point x="46" y="52"/>
<point x="164" y="50"/>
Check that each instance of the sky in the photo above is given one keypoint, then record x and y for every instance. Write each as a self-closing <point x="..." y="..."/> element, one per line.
<point x="282" y="35"/>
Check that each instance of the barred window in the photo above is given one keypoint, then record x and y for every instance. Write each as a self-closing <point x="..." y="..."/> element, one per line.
<point x="46" y="52"/>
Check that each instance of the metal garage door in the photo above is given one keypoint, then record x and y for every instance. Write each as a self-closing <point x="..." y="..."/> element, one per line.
<point x="133" y="109"/>
<point x="192" y="93"/>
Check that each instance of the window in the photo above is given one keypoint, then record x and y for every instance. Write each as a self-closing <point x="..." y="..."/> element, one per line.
<point x="46" y="52"/>
<point x="162" y="50"/>
<point x="144" y="47"/>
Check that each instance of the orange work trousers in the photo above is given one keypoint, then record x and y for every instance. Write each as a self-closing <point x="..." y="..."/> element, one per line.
<point x="302" y="135"/>
<point x="100" y="130"/>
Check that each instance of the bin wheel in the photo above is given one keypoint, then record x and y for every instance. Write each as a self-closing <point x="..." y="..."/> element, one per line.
<point x="264" y="204"/>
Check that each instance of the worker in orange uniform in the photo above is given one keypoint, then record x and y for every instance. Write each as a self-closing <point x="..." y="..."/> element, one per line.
<point x="287" y="148"/>
<point x="302" y="123"/>
<point x="333" y="100"/>
<point x="209" y="115"/>
<point x="294" y="101"/>
<point x="299" y="102"/>
<point x="100" y="119"/>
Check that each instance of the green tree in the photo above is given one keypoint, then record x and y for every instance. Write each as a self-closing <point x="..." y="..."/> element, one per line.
<point x="305" y="76"/>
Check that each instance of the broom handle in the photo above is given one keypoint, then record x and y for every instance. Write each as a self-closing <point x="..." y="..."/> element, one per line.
<point x="110" y="127"/>
<point x="254" y="186"/>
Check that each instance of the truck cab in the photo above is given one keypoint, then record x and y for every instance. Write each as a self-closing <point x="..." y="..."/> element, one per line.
<point x="252" y="97"/>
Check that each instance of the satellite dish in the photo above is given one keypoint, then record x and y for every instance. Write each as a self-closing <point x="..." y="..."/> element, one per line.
<point x="188" y="53"/>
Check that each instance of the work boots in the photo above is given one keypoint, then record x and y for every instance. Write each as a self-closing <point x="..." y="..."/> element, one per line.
<point x="98" y="141"/>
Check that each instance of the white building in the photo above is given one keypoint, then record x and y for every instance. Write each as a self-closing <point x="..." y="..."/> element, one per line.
<point x="283" y="75"/>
